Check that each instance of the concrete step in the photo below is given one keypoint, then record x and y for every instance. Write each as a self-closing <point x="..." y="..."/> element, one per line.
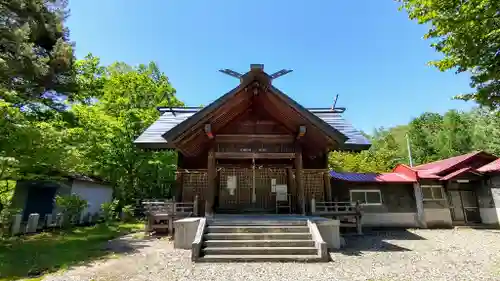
<point x="258" y="243"/>
<point x="258" y="236"/>
<point x="260" y="251"/>
<point x="260" y="258"/>
<point x="236" y="222"/>
<point x="257" y="229"/>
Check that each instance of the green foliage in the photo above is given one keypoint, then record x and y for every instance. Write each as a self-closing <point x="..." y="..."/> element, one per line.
<point x="36" y="57"/>
<point x="127" y="214"/>
<point x="6" y="219"/>
<point x="432" y="137"/>
<point x="105" y="131"/>
<point x="6" y="192"/>
<point x="467" y="33"/>
<point x="109" y="210"/>
<point x="35" y="255"/>
<point x="71" y="206"/>
<point x="119" y="103"/>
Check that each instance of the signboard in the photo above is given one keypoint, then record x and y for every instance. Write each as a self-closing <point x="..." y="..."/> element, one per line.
<point x="281" y="192"/>
<point x="231" y="184"/>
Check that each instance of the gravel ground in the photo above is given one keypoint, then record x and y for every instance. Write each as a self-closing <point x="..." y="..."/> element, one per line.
<point x="458" y="254"/>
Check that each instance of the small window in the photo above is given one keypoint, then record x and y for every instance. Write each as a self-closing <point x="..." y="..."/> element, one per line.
<point x="366" y="197"/>
<point x="432" y="192"/>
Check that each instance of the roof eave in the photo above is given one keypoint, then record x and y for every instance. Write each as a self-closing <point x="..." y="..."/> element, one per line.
<point x="154" y="145"/>
<point x="335" y="134"/>
<point x="191" y="121"/>
<point x="354" y="147"/>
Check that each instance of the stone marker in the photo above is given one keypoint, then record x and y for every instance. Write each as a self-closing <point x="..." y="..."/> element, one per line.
<point x="16" y="224"/>
<point x="48" y="220"/>
<point x="59" y="220"/>
<point x="32" y="224"/>
<point x="82" y="217"/>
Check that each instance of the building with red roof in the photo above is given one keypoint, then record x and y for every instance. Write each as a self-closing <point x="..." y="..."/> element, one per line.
<point x="493" y="167"/>
<point x="453" y="191"/>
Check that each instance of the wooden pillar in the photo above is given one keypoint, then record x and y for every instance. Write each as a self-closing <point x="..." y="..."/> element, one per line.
<point x="420" y="205"/>
<point x="195" y="206"/>
<point x="178" y="186"/>
<point x="298" y="179"/>
<point x="178" y="178"/>
<point x="292" y="190"/>
<point x="211" y="175"/>
<point x="328" y="187"/>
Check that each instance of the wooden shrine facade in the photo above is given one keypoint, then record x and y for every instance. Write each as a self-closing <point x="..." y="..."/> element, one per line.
<point x="253" y="149"/>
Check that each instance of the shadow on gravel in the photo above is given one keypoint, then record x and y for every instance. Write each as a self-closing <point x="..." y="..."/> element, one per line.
<point x="376" y="241"/>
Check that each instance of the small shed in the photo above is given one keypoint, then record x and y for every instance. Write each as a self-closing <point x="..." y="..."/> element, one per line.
<point x="36" y="196"/>
<point x="387" y="199"/>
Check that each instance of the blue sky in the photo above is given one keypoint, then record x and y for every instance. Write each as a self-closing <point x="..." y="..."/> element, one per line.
<point x="366" y="51"/>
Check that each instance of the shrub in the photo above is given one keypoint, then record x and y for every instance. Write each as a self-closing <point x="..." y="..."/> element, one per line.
<point x="71" y="207"/>
<point x="109" y="210"/>
<point x="6" y="219"/>
<point x="127" y="213"/>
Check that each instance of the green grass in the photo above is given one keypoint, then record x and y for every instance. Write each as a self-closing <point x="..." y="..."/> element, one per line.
<point x="35" y="255"/>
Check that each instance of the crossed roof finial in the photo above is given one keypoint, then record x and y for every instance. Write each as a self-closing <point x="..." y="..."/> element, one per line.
<point x="255" y="67"/>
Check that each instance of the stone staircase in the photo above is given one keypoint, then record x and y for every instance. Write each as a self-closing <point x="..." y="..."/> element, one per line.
<point x="259" y="240"/>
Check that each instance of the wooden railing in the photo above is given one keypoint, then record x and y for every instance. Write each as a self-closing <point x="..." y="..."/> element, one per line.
<point x="349" y="214"/>
<point x="168" y="207"/>
<point x="162" y="213"/>
<point x="334" y="207"/>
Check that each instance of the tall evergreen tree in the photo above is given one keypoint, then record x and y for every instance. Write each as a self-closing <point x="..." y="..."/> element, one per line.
<point x="36" y="57"/>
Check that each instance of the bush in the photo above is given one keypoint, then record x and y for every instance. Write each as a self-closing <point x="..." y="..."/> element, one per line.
<point x="109" y="210"/>
<point x="128" y="213"/>
<point x="6" y="219"/>
<point x="71" y="207"/>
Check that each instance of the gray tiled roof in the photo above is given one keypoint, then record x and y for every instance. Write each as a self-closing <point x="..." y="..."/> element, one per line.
<point x="335" y="120"/>
<point x="152" y="136"/>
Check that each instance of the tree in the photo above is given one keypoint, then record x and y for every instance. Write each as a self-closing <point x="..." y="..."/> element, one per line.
<point x="384" y="154"/>
<point x="125" y="104"/>
<point x="36" y="57"/>
<point x="455" y="137"/>
<point x="486" y="130"/>
<point x="422" y="132"/>
<point x="468" y="34"/>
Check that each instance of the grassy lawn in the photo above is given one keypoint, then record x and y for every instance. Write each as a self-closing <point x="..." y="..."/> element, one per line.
<point x="31" y="256"/>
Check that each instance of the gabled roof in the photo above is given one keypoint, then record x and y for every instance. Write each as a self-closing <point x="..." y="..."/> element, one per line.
<point x="172" y="127"/>
<point x="372" y="177"/>
<point x="448" y="168"/>
<point x="441" y="166"/>
<point x="457" y="173"/>
<point x="171" y="117"/>
<point x="196" y="117"/>
<point x="490" y="167"/>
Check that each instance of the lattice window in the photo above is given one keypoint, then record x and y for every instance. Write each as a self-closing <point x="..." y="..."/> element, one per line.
<point x="313" y="183"/>
<point x="194" y="182"/>
<point x="242" y="196"/>
<point x="243" y="192"/>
